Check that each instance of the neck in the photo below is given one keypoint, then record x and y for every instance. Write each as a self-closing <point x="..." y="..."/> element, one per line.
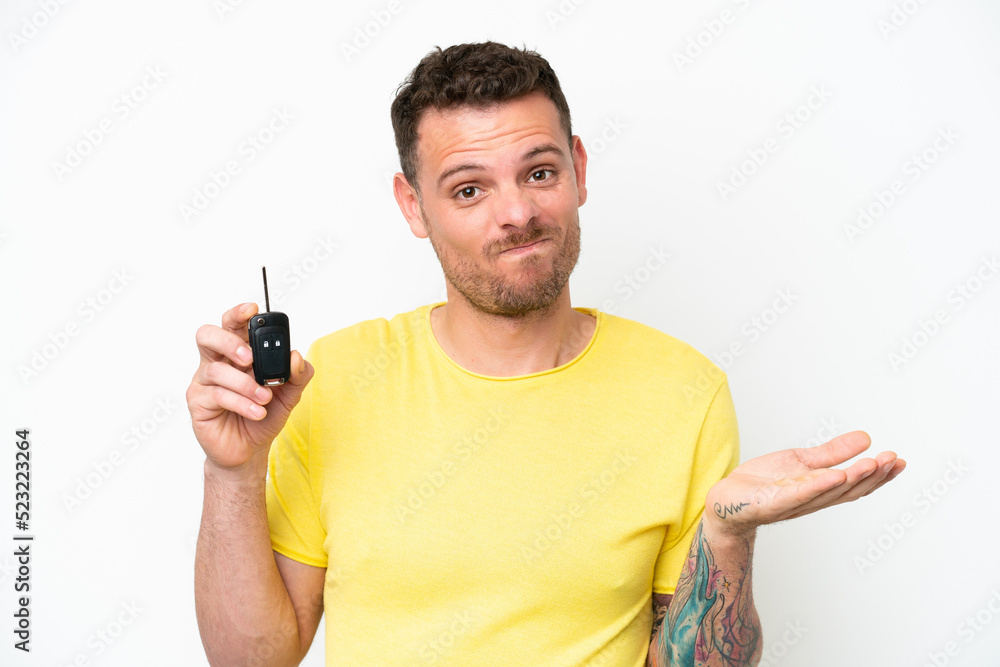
<point x="502" y="346"/>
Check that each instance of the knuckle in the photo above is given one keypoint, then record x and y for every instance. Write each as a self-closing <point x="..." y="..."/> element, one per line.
<point x="204" y="331"/>
<point x="218" y="395"/>
<point x="215" y="372"/>
<point x="210" y="374"/>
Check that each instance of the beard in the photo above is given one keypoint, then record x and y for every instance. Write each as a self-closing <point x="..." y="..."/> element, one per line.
<point x="535" y="290"/>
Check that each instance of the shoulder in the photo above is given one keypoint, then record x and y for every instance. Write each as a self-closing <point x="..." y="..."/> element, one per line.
<point x="644" y="346"/>
<point x="368" y="338"/>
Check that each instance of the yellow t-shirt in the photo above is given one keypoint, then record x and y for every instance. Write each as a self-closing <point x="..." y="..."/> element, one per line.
<point x="474" y="520"/>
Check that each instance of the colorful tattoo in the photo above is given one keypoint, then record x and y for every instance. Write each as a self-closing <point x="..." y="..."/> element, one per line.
<point x="711" y="619"/>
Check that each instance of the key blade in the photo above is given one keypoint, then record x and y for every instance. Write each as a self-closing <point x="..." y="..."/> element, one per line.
<point x="267" y="299"/>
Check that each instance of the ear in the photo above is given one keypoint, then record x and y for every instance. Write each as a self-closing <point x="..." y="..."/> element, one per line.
<point x="580" y="167"/>
<point x="409" y="204"/>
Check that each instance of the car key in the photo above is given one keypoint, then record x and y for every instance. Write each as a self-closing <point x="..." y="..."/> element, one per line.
<point x="269" y="341"/>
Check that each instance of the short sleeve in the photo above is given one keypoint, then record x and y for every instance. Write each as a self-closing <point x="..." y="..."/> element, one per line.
<point x="291" y="491"/>
<point x="717" y="453"/>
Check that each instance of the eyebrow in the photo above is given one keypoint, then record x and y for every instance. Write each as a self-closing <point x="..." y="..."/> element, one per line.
<point x="475" y="166"/>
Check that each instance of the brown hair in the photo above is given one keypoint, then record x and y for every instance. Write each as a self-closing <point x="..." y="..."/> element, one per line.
<point x="477" y="75"/>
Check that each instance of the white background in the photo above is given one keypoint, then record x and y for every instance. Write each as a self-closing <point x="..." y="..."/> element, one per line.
<point x="861" y="587"/>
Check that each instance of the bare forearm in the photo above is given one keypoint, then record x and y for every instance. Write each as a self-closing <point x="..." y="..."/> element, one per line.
<point x="244" y="611"/>
<point x="711" y="620"/>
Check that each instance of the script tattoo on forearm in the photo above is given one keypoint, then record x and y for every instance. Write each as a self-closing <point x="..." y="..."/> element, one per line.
<point x="711" y="620"/>
<point x="723" y="512"/>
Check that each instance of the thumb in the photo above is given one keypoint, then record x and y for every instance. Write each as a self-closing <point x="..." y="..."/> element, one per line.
<point x="289" y="394"/>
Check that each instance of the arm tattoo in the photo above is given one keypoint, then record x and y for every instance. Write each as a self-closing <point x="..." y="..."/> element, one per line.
<point x="723" y="512"/>
<point x="711" y="619"/>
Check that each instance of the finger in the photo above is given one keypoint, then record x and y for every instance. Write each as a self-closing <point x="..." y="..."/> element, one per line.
<point x="871" y="477"/>
<point x="836" y="451"/>
<point x="873" y="473"/>
<point x="215" y="344"/>
<point x="897" y="468"/>
<point x="871" y="480"/>
<point x="789" y="494"/>
<point x="235" y="319"/>
<point x="816" y="489"/>
<point x="223" y="375"/>
<point x="206" y="402"/>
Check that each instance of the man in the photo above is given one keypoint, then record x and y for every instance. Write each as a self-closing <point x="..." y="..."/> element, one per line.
<point x="501" y="478"/>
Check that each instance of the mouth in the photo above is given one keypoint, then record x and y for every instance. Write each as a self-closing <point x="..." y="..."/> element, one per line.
<point x="527" y="247"/>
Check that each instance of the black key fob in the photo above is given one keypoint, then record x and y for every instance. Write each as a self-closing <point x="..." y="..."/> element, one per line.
<point x="270" y="344"/>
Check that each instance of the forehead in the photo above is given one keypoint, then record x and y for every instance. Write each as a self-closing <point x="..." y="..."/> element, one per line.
<point x="446" y="136"/>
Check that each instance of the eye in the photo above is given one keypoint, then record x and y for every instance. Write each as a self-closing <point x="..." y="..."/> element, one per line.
<point x="541" y="175"/>
<point x="468" y="192"/>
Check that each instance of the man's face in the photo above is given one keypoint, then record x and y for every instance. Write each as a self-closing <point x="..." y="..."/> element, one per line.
<point x="492" y="181"/>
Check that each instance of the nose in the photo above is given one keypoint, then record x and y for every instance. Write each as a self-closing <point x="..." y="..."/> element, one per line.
<point x="514" y="206"/>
